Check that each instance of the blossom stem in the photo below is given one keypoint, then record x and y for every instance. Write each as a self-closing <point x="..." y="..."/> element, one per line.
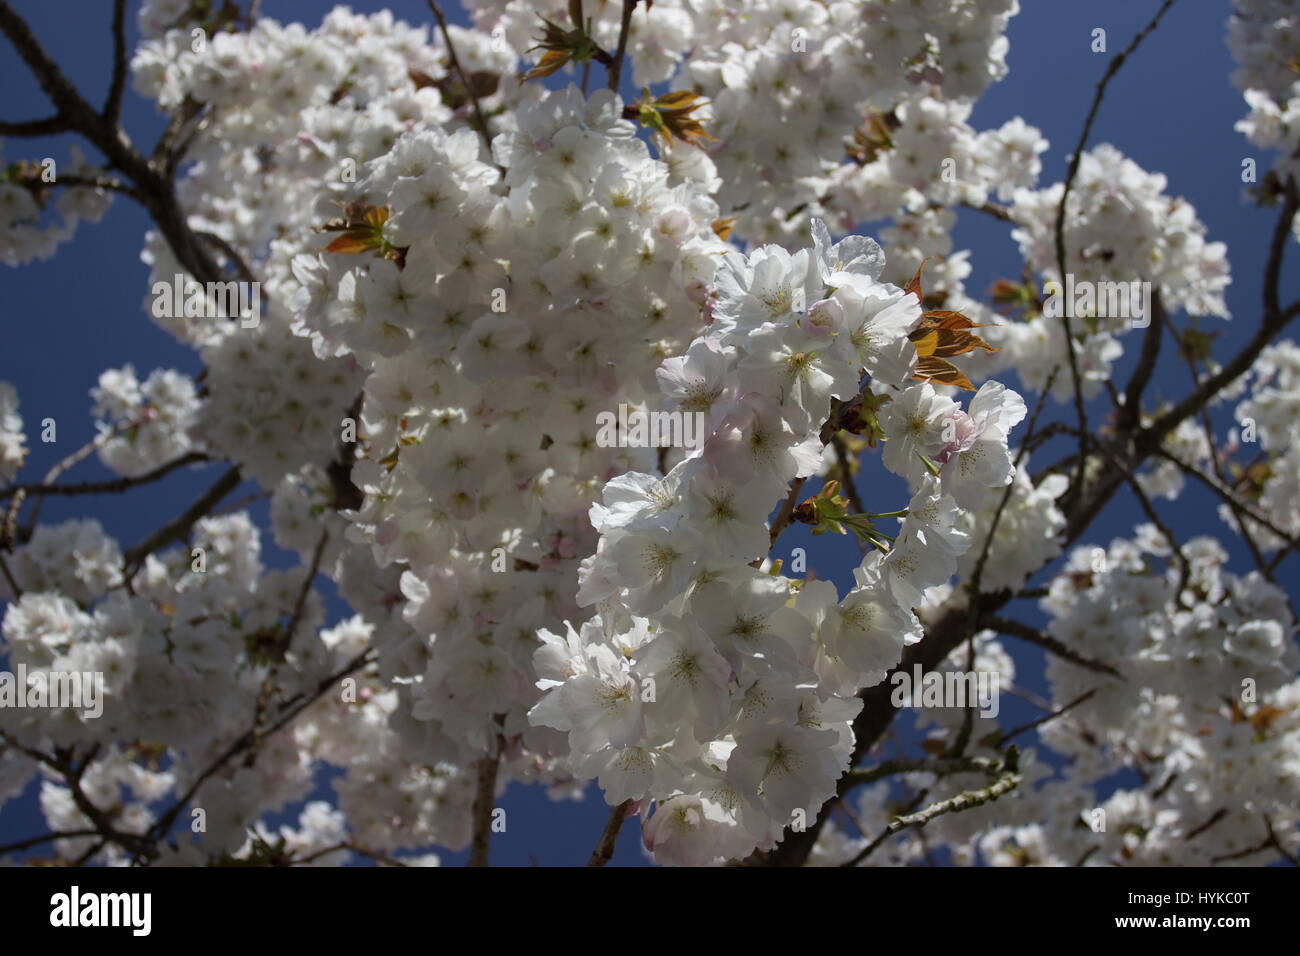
<point x="605" y="848"/>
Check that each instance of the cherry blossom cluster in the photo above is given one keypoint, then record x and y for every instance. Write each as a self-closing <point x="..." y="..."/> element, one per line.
<point x="13" y="442"/>
<point x="185" y="653"/>
<point x="796" y="71"/>
<point x="25" y="197"/>
<point x="1262" y="35"/>
<point x="143" y="424"/>
<point x="461" y="271"/>
<point x="765" y="667"/>
<point x="1121" y="227"/>
<point x="513" y="320"/>
<point x="1204" y="706"/>
<point x="1271" y="413"/>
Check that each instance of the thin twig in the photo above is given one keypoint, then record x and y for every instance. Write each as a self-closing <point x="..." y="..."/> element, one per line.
<point x="292" y="708"/>
<point x="113" y="485"/>
<point x="480" y="121"/>
<point x="1032" y="635"/>
<point x="348" y="848"/>
<point x="962" y="801"/>
<point x="605" y="847"/>
<point x="484" y="798"/>
<point x="281" y="648"/>
<point x="625" y="26"/>
<point x="977" y="575"/>
<point x="45" y="838"/>
<point x="1218" y="815"/>
<point x="179" y="527"/>
<point x="1184" y="566"/>
<point x="939" y="766"/>
<point x="9" y="578"/>
<point x="113" y="103"/>
<point x="1076" y="486"/>
<point x="1001" y="213"/>
<point x="1025" y="728"/>
<point x="845" y="462"/>
<point x="1227" y="497"/>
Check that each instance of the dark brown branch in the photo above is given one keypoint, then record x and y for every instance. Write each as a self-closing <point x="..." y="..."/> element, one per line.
<point x="112" y="486"/>
<point x="605" y="848"/>
<point x="1001" y="213"/>
<point x="484" y="798"/>
<point x="113" y="104"/>
<point x="99" y="182"/>
<point x="1032" y="635"/>
<point x="10" y="536"/>
<point x="939" y="766"/>
<point x="1229" y="499"/>
<point x="14" y="589"/>
<point x="179" y="527"/>
<point x="1034" y="724"/>
<point x="169" y="149"/>
<point x="291" y="710"/>
<point x="137" y="845"/>
<point x="783" y="517"/>
<point x="154" y="188"/>
<point x="1218" y="815"/>
<point x="50" y="126"/>
<point x="348" y="848"/>
<point x="624" y="28"/>
<point x="230" y="252"/>
<point x="1130" y="412"/>
<point x="1076" y="486"/>
<point x="962" y="801"/>
<point x="1273" y="322"/>
<point x="480" y="121"/>
<point x="844" y="469"/>
<point x="1184" y="566"/>
<point x="45" y="838"/>
<point x="282" y="645"/>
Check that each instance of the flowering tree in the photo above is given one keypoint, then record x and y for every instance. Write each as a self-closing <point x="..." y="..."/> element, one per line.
<point x="437" y="298"/>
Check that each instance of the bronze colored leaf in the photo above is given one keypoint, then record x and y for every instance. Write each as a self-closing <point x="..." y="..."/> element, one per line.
<point x="934" y="369"/>
<point x="354" y="242"/>
<point x="914" y="286"/>
<point x="551" y="61"/>
<point x="722" y="227"/>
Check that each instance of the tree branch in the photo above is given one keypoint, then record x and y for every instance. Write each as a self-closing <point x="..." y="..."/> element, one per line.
<point x="76" y="115"/>
<point x="605" y="847"/>
<point x="1032" y="635"/>
<point x="113" y="104"/>
<point x="480" y="122"/>
<point x="484" y="798"/>
<point x="625" y="26"/>
<point x="1076" y="486"/>
<point x="939" y="766"/>
<point x="49" y="126"/>
<point x="292" y="708"/>
<point x="179" y="527"/>
<point x="111" y="486"/>
<point x="45" y="838"/>
<point x="1033" y="724"/>
<point x="962" y="801"/>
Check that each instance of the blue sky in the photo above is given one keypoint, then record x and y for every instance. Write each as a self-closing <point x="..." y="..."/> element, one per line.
<point x="1171" y="109"/>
